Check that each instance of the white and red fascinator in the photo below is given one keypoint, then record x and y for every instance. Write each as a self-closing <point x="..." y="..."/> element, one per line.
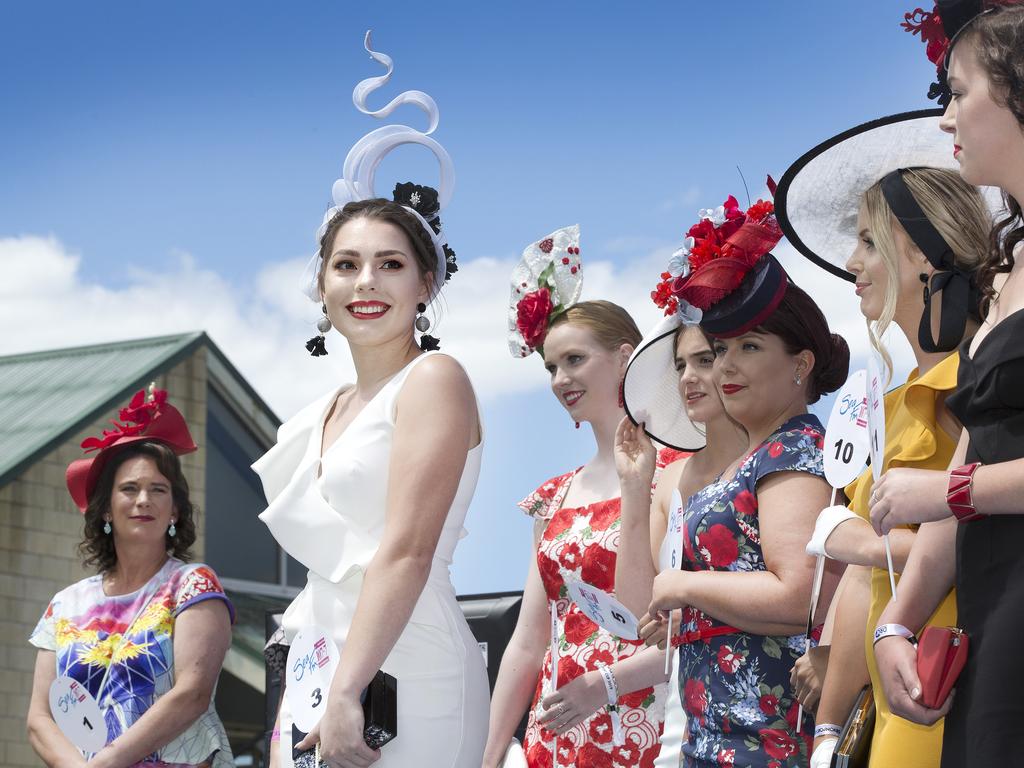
<point x="547" y="281"/>
<point x="147" y="418"/>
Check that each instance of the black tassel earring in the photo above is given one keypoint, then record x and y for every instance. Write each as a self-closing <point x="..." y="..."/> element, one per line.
<point x="315" y="346"/>
<point x="422" y="324"/>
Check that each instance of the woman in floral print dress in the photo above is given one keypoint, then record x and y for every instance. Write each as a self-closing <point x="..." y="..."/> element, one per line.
<point x="745" y="578"/>
<point x="576" y="535"/>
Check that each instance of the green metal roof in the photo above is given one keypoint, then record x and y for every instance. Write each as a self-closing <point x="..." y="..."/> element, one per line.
<point x="46" y="397"/>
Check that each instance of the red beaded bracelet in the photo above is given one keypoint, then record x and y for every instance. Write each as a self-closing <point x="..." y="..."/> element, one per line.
<point x="960" y="493"/>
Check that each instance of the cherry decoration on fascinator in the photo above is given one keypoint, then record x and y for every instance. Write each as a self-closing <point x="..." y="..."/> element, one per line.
<point x="358" y="179"/>
<point x="147" y="417"/>
<point x="547" y="281"/>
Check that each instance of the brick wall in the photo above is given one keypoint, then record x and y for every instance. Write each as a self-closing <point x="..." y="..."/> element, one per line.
<point x="40" y="529"/>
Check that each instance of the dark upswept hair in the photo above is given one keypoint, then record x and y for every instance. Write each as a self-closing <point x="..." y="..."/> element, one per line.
<point x="997" y="37"/>
<point x="801" y="325"/>
<point x="381" y="210"/>
<point x="97" y="548"/>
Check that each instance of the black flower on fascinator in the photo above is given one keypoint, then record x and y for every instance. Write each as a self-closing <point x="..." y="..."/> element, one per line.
<point x="451" y="266"/>
<point x="421" y="199"/>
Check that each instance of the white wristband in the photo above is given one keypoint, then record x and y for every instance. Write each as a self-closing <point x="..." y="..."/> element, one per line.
<point x="611" y="688"/>
<point x="893" y="630"/>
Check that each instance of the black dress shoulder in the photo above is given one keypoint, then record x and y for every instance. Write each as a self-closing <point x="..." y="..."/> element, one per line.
<point x="983" y="727"/>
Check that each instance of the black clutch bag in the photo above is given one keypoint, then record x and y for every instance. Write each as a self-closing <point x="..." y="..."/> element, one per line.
<point x="853" y="750"/>
<point x="380" y="721"/>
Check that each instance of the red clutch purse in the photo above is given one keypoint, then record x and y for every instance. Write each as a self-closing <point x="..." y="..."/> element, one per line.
<point x="941" y="655"/>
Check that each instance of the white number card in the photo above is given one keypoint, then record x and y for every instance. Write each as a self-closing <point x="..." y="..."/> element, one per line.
<point x="77" y="714"/>
<point x="312" y="659"/>
<point x="675" y="530"/>
<point x="604" y="610"/>
<point x="876" y="416"/>
<point x="846" y="436"/>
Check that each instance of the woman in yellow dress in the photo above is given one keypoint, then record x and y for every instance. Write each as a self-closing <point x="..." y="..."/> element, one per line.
<point x="920" y="234"/>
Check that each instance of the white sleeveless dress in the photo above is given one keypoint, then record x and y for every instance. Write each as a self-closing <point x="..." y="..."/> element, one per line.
<point x="328" y="513"/>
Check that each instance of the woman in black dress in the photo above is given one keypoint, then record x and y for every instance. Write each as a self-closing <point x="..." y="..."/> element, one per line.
<point x="976" y="507"/>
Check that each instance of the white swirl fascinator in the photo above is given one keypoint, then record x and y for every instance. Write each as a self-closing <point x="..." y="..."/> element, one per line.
<point x="359" y="170"/>
<point x="547" y="281"/>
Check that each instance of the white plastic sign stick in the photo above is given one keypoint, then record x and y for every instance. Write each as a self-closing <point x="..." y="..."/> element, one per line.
<point x="819" y="572"/>
<point x="668" y="644"/>
<point x="312" y="659"/>
<point x="77" y="714"/>
<point x="846" y="436"/>
<point x="675" y="530"/>
<point x="876" y="428"/>
<point x="604" y="610"/>
<point x="554" y="646"/>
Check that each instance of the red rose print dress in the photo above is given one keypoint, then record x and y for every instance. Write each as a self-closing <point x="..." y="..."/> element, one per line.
<point x="734" y="685"/>
<point x="581" y="543"/>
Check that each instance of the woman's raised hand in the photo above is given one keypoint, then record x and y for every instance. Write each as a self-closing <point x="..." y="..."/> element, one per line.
<point x="635" y="456"/>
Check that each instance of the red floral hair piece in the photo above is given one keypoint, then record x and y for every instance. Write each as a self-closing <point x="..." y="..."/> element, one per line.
<point x="928" y="24"/>
<point x="717" y="254"/>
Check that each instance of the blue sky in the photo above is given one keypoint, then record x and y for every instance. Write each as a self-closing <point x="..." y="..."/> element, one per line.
<point x="177" y="158"/>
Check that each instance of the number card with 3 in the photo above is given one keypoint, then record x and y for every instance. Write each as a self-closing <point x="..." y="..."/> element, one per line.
<point x="846" y="436"/>
<point x="312" y="659"/>
<point x="77" y="714"/>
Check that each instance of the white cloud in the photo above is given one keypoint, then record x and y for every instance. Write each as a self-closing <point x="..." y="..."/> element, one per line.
<point x="262" y="322"/>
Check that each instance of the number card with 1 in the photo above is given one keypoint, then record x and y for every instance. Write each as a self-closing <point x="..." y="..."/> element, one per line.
<point x="312" y="659"/>
<point x="77" y="714"/>
<point x="846" y="436"/>
<point x="604" y="610"/>
<point x="876" y="415"/>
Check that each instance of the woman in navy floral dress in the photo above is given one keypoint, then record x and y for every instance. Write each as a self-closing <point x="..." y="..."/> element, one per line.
<point x="746" y="579"/>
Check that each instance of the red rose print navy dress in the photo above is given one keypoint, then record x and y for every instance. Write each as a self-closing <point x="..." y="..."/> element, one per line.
<point x="581" y="543"/>
<point x="734" y="685"/>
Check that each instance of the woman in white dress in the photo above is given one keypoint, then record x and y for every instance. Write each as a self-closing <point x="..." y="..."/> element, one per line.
<point x="368" y="486"/>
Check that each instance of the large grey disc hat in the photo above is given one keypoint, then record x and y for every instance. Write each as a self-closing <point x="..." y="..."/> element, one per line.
<point x="651" y="387"/>
<point x="819" y="196"/>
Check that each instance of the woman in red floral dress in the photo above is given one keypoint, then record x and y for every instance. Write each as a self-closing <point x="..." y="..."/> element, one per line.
<point x="576" y="515"/>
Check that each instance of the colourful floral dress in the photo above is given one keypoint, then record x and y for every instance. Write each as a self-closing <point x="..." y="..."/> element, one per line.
<point x="581" y="543"/>
<point x="735" y="685"/>
<point x="121" y="649"/>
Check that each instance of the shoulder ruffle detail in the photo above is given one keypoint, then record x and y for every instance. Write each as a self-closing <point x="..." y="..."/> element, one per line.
<point x="542" y="503"/>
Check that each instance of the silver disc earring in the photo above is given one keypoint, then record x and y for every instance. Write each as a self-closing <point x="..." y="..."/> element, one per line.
<point x="422" y="322"/>
<point x="172" y="531"/>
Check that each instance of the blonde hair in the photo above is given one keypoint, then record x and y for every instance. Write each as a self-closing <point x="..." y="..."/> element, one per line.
<point x="954" y="207"/>
<point x="611" y="325"/>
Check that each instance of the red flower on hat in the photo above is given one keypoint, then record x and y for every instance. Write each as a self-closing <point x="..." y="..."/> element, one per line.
<point x="726" y="244"/>
<point x="532" y="314"/>
<point x="929" y="26"/>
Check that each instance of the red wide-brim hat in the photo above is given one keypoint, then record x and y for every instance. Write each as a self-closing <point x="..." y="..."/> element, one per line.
<point x="166" y="426"/>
